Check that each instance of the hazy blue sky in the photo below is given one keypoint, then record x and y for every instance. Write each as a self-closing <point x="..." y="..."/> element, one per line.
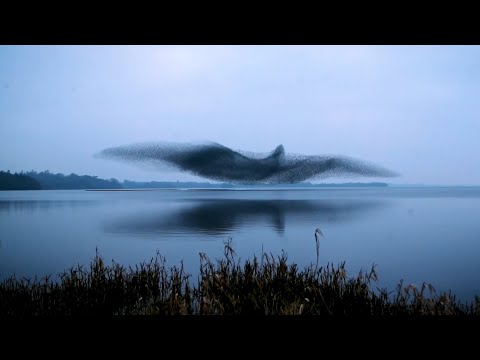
<point x="413" y="109"/>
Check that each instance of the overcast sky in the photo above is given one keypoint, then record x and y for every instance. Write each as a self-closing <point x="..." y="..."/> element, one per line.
<point x="412" y="109"/>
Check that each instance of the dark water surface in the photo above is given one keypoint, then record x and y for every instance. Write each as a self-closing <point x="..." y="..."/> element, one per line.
<point x="415" y="234"/>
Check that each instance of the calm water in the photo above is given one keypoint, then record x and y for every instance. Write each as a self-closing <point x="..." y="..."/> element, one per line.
<point x="415" y="234"/>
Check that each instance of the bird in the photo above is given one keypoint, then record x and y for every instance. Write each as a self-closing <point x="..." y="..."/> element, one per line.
<point x="318" y="232"/>
<point x="317" y="242"/>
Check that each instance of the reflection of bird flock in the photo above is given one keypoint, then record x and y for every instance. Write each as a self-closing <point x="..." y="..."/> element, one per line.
<point x="222" y="216"/>
<point x="217" y="162"/>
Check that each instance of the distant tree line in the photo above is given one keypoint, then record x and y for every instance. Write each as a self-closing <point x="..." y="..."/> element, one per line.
<point x="172" y="184"/>
<point x="50" y="181"/>
<point x="17" y="181"/>
<point x="46" y="180"/>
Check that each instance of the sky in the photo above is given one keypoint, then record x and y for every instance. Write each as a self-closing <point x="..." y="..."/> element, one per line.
<point x="412" y="109"/>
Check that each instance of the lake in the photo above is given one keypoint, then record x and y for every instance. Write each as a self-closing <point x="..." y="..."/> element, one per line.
<point x="416" y="234"/>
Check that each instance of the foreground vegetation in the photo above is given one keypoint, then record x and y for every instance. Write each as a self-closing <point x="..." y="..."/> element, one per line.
<point x="265" y="285"/>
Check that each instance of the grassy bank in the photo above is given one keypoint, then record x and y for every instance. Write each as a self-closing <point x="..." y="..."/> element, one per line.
<point x="262" y="285"/>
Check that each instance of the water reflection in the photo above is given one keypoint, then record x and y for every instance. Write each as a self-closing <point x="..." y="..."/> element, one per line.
<point x="218" y="217"/>
<point x="40" y="205"/>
